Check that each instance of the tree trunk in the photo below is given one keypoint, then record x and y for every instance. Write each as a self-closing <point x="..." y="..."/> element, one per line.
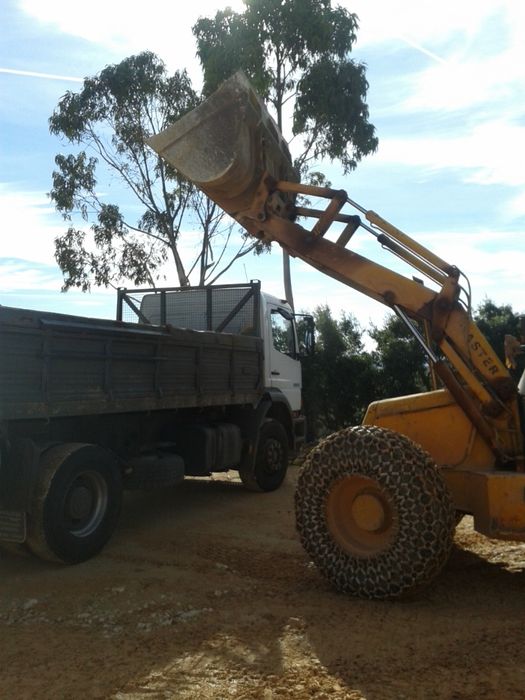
<point x="181" y="273"/>
<point x="287" y="277"/>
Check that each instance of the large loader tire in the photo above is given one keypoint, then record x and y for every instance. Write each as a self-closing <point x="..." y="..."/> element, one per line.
<point x="271" y="460"/>
<point x="374" y="513"/>
<point x="76" y="503"/>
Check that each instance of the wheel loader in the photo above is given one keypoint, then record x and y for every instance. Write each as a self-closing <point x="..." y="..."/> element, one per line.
<point x="376" y="504"/>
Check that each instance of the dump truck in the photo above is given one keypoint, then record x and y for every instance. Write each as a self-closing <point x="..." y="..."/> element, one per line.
<point x="376" y="504"/>
<point x="185" y="382"/>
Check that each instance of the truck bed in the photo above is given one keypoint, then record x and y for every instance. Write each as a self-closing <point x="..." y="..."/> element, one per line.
<point x="62" y="365"/>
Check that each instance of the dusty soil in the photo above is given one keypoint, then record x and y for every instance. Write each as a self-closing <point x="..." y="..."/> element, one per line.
<point x="205" y="592"/>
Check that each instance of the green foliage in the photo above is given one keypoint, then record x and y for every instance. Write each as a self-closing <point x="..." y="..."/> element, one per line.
<point x="342" y="378"/>
<point x="336" y="338"/>
<point x="402" y="367"/>
<point x="339" y="378"/>
<point x="112" y="116"/>
<point x="495" y="322"/>
<point x="226" y="43"/>
<point x="296" y="51"/>
<point x="331" y="111"/>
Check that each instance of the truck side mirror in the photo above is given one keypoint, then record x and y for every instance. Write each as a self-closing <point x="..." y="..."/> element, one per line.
<point x="305" y="334"/>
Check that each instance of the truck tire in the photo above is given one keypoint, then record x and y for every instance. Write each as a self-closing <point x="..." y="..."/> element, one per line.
<point x="374" y="513"/>
<point x="271" y="461"/>
<point x="76" y="503"/>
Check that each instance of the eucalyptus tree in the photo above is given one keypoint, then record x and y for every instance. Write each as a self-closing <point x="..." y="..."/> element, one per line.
<point x="107" y="123"/>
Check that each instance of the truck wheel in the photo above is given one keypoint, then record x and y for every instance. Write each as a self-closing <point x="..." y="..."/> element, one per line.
<point x="374" y="513"/>
<point x="271" y="460"/>
<point x="76" y="504"/>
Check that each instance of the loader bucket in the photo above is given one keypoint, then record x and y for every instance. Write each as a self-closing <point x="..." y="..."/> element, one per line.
<point x="226" y="145"/>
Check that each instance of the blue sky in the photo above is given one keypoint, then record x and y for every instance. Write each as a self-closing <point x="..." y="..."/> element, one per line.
<point x="447" y="84"/>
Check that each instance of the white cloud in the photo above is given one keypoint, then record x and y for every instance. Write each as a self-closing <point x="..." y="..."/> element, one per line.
<point x="125" y="27"/>
<point x="16" y="275"/>
<point x="461" y="83"/>
<point x="26" y="252"/>
<point x="476" y="52"/>
<point x="29" y="225"/>
<point x="427" y="23"/>
<point x="491" y="153"/>
<point x="515" y="207"/>
<point x="450" y="86"/>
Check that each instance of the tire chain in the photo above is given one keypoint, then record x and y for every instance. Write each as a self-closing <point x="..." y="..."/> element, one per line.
<point x="425" y="514"/>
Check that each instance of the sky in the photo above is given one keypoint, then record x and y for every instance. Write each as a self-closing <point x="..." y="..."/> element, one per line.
<point x="446" y="95"/>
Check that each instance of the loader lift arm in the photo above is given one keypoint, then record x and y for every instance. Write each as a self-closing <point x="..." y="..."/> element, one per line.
<point x="479" y="382"/>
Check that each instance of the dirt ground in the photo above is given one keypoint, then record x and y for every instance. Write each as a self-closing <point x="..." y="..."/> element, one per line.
<point x="204" y="592"/>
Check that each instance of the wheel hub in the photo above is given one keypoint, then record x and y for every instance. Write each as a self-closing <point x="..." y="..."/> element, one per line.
<point x="273" y="455"/>
<point x="85" y="503"/>
<point x="361" y="516"/>
<point x="80" y="502"/>
<point x="368" y="512"/>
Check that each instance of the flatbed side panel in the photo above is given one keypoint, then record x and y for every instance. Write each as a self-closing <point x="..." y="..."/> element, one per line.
<point x="54" y="365"/>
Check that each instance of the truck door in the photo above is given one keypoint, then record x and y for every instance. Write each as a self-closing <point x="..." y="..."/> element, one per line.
<point x="284" y="368"/>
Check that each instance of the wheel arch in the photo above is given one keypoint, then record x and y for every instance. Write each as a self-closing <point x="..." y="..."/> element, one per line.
<point x="62" y="528"/>
<point x="279" y="409"/>
<point x="21" y="467"/>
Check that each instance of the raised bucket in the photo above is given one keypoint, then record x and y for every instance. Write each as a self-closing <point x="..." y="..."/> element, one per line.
<point x="226" y="145"/>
